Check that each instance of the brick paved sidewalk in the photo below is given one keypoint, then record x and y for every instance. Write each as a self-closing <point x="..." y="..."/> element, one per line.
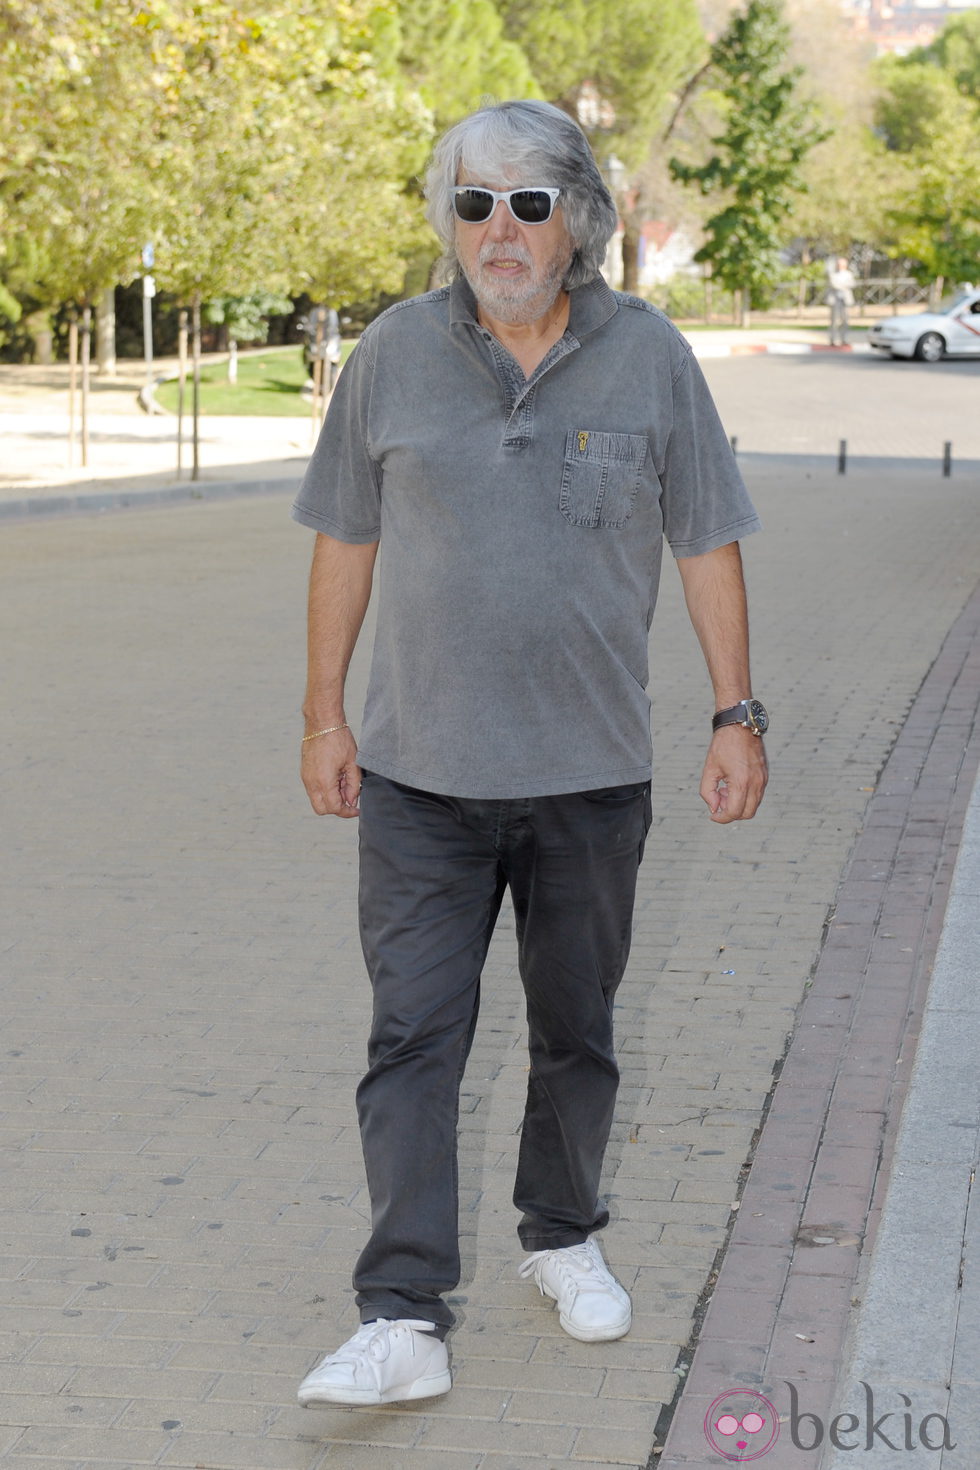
<point x="791" y="1285"/>
<point x="185" y="1012"/>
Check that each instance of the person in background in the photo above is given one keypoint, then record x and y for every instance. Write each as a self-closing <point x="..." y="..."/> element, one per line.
<point x="840" y="299"/>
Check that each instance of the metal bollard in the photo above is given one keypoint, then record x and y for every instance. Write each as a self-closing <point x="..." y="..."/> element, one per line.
<point x="947" y="458"/>
<point x="842" y="457"/>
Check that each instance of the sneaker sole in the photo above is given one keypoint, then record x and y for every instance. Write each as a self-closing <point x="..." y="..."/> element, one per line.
<point x="590" y="1334"/>
<point x="595" y="1334"/>
<point x="421" y="1388"/>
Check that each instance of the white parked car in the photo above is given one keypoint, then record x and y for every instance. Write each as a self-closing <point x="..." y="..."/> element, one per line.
<point x="929" y="335"/>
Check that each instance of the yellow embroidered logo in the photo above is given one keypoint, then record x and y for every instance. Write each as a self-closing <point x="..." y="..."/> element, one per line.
<point x="583" y="439"/>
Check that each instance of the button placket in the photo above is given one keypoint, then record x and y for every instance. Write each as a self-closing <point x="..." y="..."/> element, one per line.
<point x="519" y="391"/>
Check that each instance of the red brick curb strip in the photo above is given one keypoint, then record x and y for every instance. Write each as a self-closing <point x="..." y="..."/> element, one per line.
<point x="780" y="1310"/>
<point x="710" y="348"/>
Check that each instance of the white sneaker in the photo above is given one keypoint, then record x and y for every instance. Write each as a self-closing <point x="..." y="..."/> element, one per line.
<point x="592" y="1305"/>
<point x="383" y="1363"/>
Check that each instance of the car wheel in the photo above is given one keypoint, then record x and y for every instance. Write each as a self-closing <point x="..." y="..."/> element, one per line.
<point x="930" y="347"/>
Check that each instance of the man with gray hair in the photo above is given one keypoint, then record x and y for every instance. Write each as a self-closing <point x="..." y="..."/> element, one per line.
<point x="518" y="443"/>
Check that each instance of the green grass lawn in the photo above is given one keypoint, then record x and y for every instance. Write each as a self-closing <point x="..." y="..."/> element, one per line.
<point x="268" y="386"/>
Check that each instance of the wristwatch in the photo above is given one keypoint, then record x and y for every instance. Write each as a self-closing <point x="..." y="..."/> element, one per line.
<point x="750" y="713"/>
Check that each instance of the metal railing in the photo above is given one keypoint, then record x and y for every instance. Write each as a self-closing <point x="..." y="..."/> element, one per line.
<point x="870" y="291"/>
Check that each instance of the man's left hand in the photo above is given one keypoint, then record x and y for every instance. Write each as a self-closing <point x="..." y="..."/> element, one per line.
<point x="735" y="774"/>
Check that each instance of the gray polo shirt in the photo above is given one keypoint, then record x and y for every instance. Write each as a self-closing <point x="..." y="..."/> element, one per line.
<point x="521" y="526"/>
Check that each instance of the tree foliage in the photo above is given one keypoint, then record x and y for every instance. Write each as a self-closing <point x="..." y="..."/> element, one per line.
<point x="626" y="57"/>
<point x="276" y="145"/>
<point x="259" y="145"/>
<point x="849" y="183"/>
<point x="70" y="122"/>
<point x="485" y="62"/>
<point x="928" y="114"/>
<point x="956" y="51"/>
<point x="755" y="170"/>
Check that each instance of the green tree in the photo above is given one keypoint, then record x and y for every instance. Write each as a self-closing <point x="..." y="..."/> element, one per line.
<point x="928" y="115"/>
<point x="280" y="151"/>
<point x="933" y="133"/>
<point x="849" y="185"/>
<point x="768" y="129"/>
<point x="616" y="66"/>
<point x="71" y="122"/>
<point x="260" y="145"/>
<point x="956" y="50"/>
<point x="73" y="210"/>
<point x="456" y="54"/>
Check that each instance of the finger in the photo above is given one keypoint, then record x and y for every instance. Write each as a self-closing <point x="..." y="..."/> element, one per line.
<point x="350" y="790"/>
<point x="712" y="793"/>
<point x="326" y="802"/>
<point x="738" y="800"/>
<point x="730" y="807"/>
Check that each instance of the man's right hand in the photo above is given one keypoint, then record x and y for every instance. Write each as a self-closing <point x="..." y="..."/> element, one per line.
<point x="331" y="774"/>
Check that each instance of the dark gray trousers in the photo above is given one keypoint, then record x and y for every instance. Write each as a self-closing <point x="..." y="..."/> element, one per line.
<point x="433" y="872"/>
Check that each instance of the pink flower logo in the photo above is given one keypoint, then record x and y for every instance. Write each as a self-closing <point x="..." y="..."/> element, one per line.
<point x="741" y="1425"/>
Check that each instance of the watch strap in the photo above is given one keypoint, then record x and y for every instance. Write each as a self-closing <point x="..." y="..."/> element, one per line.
<point x="750" y="713"/>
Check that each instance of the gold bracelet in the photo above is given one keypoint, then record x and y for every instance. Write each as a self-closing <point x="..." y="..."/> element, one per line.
<point x="330" y="730"/>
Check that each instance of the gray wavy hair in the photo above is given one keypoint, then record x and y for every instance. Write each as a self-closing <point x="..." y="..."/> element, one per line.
<point x="530" y="143"/>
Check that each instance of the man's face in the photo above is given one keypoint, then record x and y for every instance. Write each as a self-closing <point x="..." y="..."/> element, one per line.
<point x="515" y="270"/>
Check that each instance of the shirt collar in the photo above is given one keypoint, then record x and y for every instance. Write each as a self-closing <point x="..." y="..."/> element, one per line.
<point x="589" y="306"/>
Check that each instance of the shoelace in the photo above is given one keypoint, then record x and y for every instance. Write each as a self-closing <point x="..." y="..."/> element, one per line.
<point x="372" y="1341"/>
<point x="571" y="1263"/>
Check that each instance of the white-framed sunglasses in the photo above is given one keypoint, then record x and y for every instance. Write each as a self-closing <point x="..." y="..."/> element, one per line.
<point x="474" y="206"/>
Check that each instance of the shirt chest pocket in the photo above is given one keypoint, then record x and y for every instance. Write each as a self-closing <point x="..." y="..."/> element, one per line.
<point x="601" y="476"/>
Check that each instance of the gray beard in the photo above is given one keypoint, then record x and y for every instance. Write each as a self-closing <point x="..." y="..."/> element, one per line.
<point x="531" y="300"/>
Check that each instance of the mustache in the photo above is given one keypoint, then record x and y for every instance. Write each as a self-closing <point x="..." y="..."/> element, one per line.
<point x="490" y="251"/>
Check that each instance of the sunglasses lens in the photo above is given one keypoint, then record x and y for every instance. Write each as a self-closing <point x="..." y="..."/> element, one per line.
<point x="473" y="206"/>
<point x="531" y="206"/>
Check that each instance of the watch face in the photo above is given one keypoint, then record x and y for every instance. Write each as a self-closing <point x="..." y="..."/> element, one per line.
<point x="759" y="714"/>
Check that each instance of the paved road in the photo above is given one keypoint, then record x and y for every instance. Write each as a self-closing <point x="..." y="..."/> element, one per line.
<point x="184" y="1009"/>
<point x="806" y="404"/>
<point x="774" y="404"/>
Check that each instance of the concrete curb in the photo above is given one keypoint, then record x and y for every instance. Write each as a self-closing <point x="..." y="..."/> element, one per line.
<point x="39" y="507"/>
<point x="930" y="1213"/>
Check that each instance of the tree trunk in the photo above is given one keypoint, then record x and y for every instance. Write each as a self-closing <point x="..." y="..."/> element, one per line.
<point x="38" y="324"/>
<point x="86" y="359"/>
<point x="318" y="390"/>
<point x="631" y="255"/>
<point x="105" y="333"/>
<point x="802" y="283"/>
<point x="233" y="362"/>
<point x="743" y="299"/>
<point x="196" y="394"/>
<point x="181" y="383"/>
<point x="72" y="379"/>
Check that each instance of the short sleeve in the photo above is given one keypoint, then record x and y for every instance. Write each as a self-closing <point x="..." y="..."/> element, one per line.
<point x="341" y="489"/>
<point x="704" y="500"/>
